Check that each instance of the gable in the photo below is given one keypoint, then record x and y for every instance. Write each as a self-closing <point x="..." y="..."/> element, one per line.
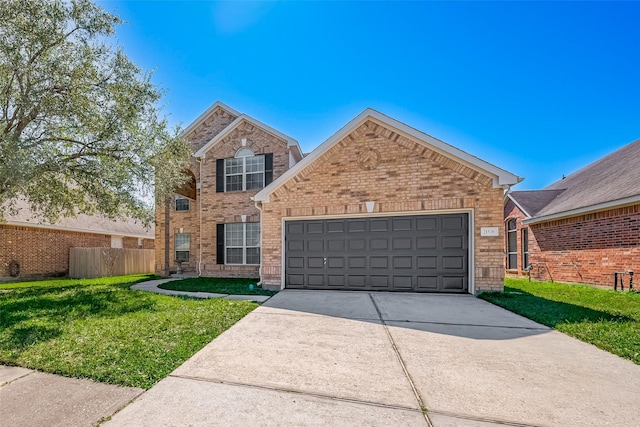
<point x="371" y="159"/>
<point x="245" y="123"/>
<point x="209" y="124"/>
<point x="397" y="136"/>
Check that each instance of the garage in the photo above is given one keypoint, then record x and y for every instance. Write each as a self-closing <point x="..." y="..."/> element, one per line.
<point x="412" y="253"/>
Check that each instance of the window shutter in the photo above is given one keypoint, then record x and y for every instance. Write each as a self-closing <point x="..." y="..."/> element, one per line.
<point x="219" y="243"/>
<point x="268" y="169"/>
<point x="220" y="176"/>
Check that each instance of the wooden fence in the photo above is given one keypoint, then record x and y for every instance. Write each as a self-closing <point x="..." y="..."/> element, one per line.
<point x="100" y="262"/>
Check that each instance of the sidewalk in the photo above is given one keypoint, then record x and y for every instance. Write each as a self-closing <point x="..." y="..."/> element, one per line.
<point x="152" y="286"/>
<point x="32" y="398"/>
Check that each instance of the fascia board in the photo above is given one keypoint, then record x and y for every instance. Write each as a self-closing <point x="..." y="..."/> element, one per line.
<point x="202" y="117"/>
<point x="587" y="209"/>
<point x="75" y="230"/>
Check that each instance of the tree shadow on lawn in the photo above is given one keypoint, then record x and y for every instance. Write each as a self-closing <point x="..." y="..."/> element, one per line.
<point x="59" y="306"/>
<point x="549" y="312"/>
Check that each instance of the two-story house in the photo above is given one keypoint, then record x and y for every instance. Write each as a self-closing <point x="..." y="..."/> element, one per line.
<point x="378" y="206"/>
<point x="214" y="225"/>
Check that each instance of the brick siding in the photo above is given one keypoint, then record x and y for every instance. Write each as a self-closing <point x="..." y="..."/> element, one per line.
<point x="583" y="249"/>
<point x="408" y="178"/>
<point x="45" y="252"/>
<point x="217" y="208"/>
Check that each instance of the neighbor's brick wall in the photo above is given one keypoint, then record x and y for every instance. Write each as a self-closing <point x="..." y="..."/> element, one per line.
<point x="408" y="178"/>
<point x="219" y="207"/>
<point x="42" y="252"/>
<point x="589" y="248"/>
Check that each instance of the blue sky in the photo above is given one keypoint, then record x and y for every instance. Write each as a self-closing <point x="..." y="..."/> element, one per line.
<point x="540" y="89"/>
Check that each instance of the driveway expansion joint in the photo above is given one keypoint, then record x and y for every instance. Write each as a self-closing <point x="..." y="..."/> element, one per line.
<point x="297" y="392"/>
<point x="6" y="383"/>
<point x="423" y="408"/>
<point x="485" y="419"/>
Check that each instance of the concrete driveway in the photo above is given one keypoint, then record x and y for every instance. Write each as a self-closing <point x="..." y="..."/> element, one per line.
<point x="383" y="359"/>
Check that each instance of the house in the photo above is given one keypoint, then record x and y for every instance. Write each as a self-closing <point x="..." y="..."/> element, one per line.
<point x="32" y="247"/>
<point x="377" y="206"/>
<point x="582" y="228"/>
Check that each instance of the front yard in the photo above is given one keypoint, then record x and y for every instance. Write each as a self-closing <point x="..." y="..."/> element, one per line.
<point x="101" y="330"/>
<point x="607" y="319"/>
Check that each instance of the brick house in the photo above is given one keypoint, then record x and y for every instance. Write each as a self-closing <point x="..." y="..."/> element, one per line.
<point x="580" y="229"/>
<point x="42" y="249"/>
<point x="378" y="206"/>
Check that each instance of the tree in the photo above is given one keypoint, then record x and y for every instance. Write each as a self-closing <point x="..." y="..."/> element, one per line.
<point x="80" y="129"/>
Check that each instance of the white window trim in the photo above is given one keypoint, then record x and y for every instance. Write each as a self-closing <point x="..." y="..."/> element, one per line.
<point x="175" y="204"/>
<point x="175" y="246"/>
<point x="244" y="246"/>
<point x="244" y="173"/>
<point x="515" y="233"/>
<point x="525" y="248"/>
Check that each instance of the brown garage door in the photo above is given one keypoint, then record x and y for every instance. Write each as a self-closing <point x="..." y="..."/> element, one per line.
<point x="426" y="253"/>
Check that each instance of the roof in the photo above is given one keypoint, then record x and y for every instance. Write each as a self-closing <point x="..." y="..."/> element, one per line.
<point x="234" y="124"/>
<point x="531" y="202"/>
<point x="500" y="176"/>
<point x="611" y="181"/>
<point x="94" y="224"/>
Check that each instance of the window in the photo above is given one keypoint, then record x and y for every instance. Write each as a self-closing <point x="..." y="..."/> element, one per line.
<point x="117" y="242"/>
<point x="244" y="172"/>
<point x="182" y="204"/>
<point x="182" y="242"/>
<point x="512" y="245"/>
<point x="525" y="248"/>
<point x="242" y="243"/>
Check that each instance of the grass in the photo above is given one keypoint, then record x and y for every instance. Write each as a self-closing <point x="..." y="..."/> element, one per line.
<point x="101" y="330"/>
<point x="217" y="286"/>
<point x="607" y="319"/>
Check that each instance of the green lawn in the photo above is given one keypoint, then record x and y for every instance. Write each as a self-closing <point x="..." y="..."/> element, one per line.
<point x="607" y="319"/>
<point x="102" y="330"/>
<point x="217" y="286"/>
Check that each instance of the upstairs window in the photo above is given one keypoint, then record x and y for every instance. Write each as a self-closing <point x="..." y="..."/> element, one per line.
<point x="512" y="245"/>
<point x="244" y="172"/>
<point x="182" y="203"/>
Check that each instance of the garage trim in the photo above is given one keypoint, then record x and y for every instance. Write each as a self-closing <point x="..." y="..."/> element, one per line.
<point x="471" y="236"/>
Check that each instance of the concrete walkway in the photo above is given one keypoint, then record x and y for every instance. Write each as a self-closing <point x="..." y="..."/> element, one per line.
<point x="31" y="398"/>
<point x="383" y="359"/>
<point x="152" y="286"/>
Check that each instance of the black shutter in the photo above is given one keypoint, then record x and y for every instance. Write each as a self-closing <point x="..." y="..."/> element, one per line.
<point x="219" y="243"/>
<point x="268" y="169"/>
<point x="220" y="176"/>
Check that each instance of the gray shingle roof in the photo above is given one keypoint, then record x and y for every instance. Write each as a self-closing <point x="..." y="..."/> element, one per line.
<point x="82" y="223"/>
<point x="607" y="180"/>
<point x="613" y="177"/>
<point x="534" y="201"/>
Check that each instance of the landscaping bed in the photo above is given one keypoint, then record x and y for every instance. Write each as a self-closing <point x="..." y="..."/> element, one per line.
<point x="102" y="330"/>
<point x="217" y="285"/>
<point x="607" y="319"/>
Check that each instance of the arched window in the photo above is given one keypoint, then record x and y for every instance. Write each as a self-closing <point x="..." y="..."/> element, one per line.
<point x="244" y="152"/>
<point x="245" y="171"/>
<point x="512" y="245"/>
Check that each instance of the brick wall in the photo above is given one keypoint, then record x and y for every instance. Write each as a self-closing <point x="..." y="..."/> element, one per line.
<point x="218" y="207"/>
<point x="42" y="252"/>
<point x="408" y="178"/>
<point x="582" y="249"/>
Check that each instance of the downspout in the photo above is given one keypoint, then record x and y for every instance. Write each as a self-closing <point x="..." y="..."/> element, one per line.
<point x="200" y="160"/>
<point x="259" y="207"/>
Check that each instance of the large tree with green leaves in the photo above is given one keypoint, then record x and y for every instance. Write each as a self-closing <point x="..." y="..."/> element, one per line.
<point x="80" y="127"/>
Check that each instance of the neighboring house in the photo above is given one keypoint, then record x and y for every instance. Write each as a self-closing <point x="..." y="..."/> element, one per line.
<point x="582" y="228"/>
<point x="42" y="249"/>
<point x="378" y="206"/>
